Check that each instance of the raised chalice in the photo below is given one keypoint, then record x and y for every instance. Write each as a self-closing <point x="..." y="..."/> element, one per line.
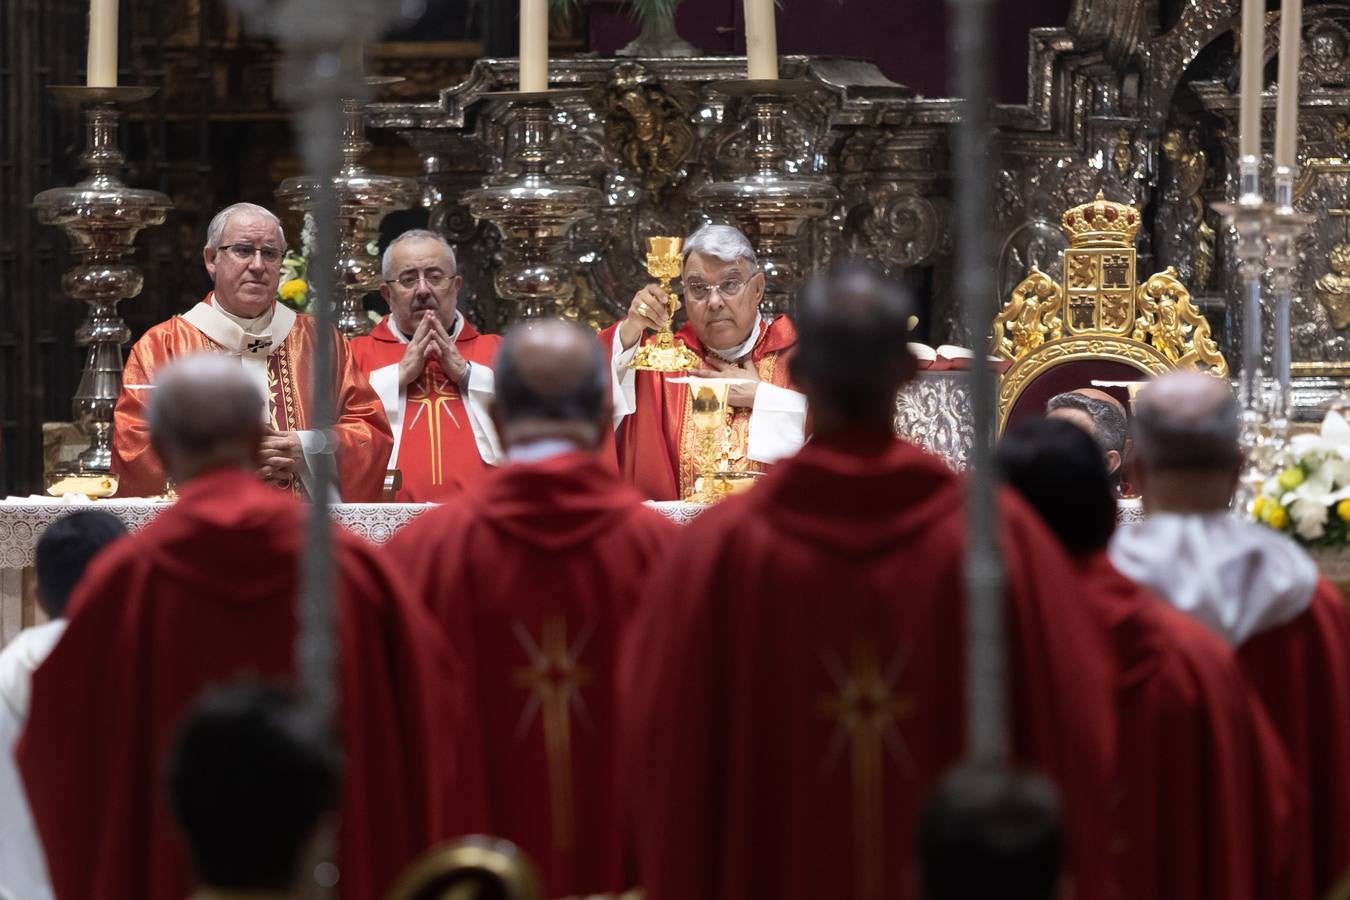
<point x="665" y="259"/>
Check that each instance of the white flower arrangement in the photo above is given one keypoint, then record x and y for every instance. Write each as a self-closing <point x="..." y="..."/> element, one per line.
<point x="1309" y="498"/>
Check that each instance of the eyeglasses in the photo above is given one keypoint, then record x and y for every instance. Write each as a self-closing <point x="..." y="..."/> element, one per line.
<point x="728" y="288"/>
<point x="245" y="253"/>
<point x="433" y="277"/>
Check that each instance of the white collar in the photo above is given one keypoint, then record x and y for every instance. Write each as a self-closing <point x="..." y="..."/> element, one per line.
<point x="455" y="328"/>
<point x="538" y="451"/>
<point x="1237" y="577"/>
<point x="226" y="331"/>
<point x="743" y="348"/>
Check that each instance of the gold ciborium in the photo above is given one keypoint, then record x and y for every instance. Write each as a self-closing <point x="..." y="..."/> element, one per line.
<point x="665" y="260"/>
<point x="708" y="407"/>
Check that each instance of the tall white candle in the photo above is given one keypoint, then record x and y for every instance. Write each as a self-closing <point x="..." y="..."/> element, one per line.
<point x="1253" y="59"/>
<point x="534" y="45"/>
<point x="101" y="68"/>
<point x="761" y="40"/>
<point x="1286" y="109"/>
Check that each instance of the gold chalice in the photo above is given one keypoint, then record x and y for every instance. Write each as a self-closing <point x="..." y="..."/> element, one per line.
<point x="665" y="260"/>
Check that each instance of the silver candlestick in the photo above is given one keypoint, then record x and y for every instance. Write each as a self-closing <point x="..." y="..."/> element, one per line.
<point x="102" y="216"/>
<point x="533" y="213"/>
<point x="1248" y="218"/>
<point x="364" y="199"/>
<point x="770" y="204"/>
<point x="1284" y="227"/>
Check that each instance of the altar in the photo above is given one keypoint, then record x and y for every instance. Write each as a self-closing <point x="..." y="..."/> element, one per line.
<point x="22" y="521"/>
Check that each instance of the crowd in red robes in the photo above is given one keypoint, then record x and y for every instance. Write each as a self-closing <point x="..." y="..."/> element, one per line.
<point x="754" y="706"/>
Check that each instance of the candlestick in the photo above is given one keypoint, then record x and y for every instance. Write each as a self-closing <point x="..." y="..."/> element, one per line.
<point x="534" y="45"/>
<point x="1248" y="218"/>
<point x="101" y="63"/>
<point x="1286" y="110"/>
<point x="1285" y="227"/>
<point x="1253" y="66"/>
<point x="761" y="40"/>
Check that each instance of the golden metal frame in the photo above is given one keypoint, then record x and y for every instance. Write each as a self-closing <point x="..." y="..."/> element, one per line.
<point x="1099" y="311"/>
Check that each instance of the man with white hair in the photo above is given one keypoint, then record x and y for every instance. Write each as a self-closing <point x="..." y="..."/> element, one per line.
<point x="432" y="371"/>
<point x="1256" y="588"/>
<point x="275" y="346"/>
<point x="723" y="285"/>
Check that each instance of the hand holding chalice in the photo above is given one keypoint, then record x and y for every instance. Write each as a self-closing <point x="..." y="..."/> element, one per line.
<point x="665" y="260"/>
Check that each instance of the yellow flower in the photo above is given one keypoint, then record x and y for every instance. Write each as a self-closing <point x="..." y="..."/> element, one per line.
<point x="1259" y="505"/>
<point x="1291" y="478"/>
<point x="1278" y="518"/>
<point x="1343" y="510"/>
<point x="295" y="289"/>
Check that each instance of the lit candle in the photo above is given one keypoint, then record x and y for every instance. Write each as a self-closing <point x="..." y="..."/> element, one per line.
<point x="101" y="68"/>
<point x="761" y="40"/>
<point x="1253" y="66"/>
<point x="534" y="45"/>
<point x="1286" y="110"/>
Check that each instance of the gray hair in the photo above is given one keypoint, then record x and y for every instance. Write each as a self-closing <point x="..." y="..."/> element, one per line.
<point x="1108" y="422"/>
<point x="416" y="234"/>
<point x="215" y="232"/>
<point x="202" y="401"/>
<point x="1198" y="435"/>
<point x="549" y="385"/>
<point x="722" y="241"/>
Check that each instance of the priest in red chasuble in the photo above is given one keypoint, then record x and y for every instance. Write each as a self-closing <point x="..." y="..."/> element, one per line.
<point x="1253" y="586"/>
<point x="275" y="347"/>
<point x="534" y="573"/>
<point x="203" y="594"/>
<point x="432" y="371"/>
<point x="655" y="434"/>
<point x="794" y="685"/>
<point x="1206" y="802"/>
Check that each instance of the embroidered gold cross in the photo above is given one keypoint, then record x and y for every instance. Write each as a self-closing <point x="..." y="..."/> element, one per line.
<point x="867" y="711"/>
<point x="431" y="394"/>
<point x="555" y="678"/>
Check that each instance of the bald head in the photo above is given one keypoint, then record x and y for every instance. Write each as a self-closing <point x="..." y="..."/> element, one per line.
<point x="552" y="383"/>
<point x="1186" y="433"/>
<point x="852" y="352"/>
<point x="205" y="414"/>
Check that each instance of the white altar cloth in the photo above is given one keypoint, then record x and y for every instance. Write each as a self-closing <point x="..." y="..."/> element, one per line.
<point x="23" y="519"/>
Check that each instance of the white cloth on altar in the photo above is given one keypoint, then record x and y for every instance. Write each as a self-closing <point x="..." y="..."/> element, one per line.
<point x="23" y="868"/>
<point x="1237" y="577"/>
<point x="777" y="427"/>
<point x="477" y="389"/>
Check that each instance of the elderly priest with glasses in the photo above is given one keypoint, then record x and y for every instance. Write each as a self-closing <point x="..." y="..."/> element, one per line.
<point x="432" y="370"/>
<point x="242" y="318"/>
<point x="654" y="430"/>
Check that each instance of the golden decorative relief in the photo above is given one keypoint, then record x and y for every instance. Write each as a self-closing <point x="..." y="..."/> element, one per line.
<point x="1333" y="288"/>
<point x="1101" y="312"/>
<point x="1030" y="318"/>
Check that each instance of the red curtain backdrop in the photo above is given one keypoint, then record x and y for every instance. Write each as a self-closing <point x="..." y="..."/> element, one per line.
<point x="907" y="39"/>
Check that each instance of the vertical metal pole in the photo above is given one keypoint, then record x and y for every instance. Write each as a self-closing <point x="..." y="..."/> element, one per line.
<point x="986" y="724"/>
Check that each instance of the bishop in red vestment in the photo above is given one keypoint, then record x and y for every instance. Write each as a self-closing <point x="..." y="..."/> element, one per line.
<point x="275" y="347"/>
<point x="205" y="592"/>
<point x="1256" y="588"/>
<point x="1206" y="802"/>
<point x="432" y="371"/>
<point x="656" y="440"/>
<point x="794" y="686"/>
<point x="534" y="574"/>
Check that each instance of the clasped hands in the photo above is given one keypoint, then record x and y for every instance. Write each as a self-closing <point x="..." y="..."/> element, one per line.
<point x="653" y="308"/>
<point x="431" y="341"/>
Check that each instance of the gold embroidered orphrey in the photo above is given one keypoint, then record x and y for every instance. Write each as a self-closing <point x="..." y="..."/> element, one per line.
<point x="1100" y="311"/>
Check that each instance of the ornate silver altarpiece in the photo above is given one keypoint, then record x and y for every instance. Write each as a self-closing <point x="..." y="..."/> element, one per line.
<point x="1147" y="118"/>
